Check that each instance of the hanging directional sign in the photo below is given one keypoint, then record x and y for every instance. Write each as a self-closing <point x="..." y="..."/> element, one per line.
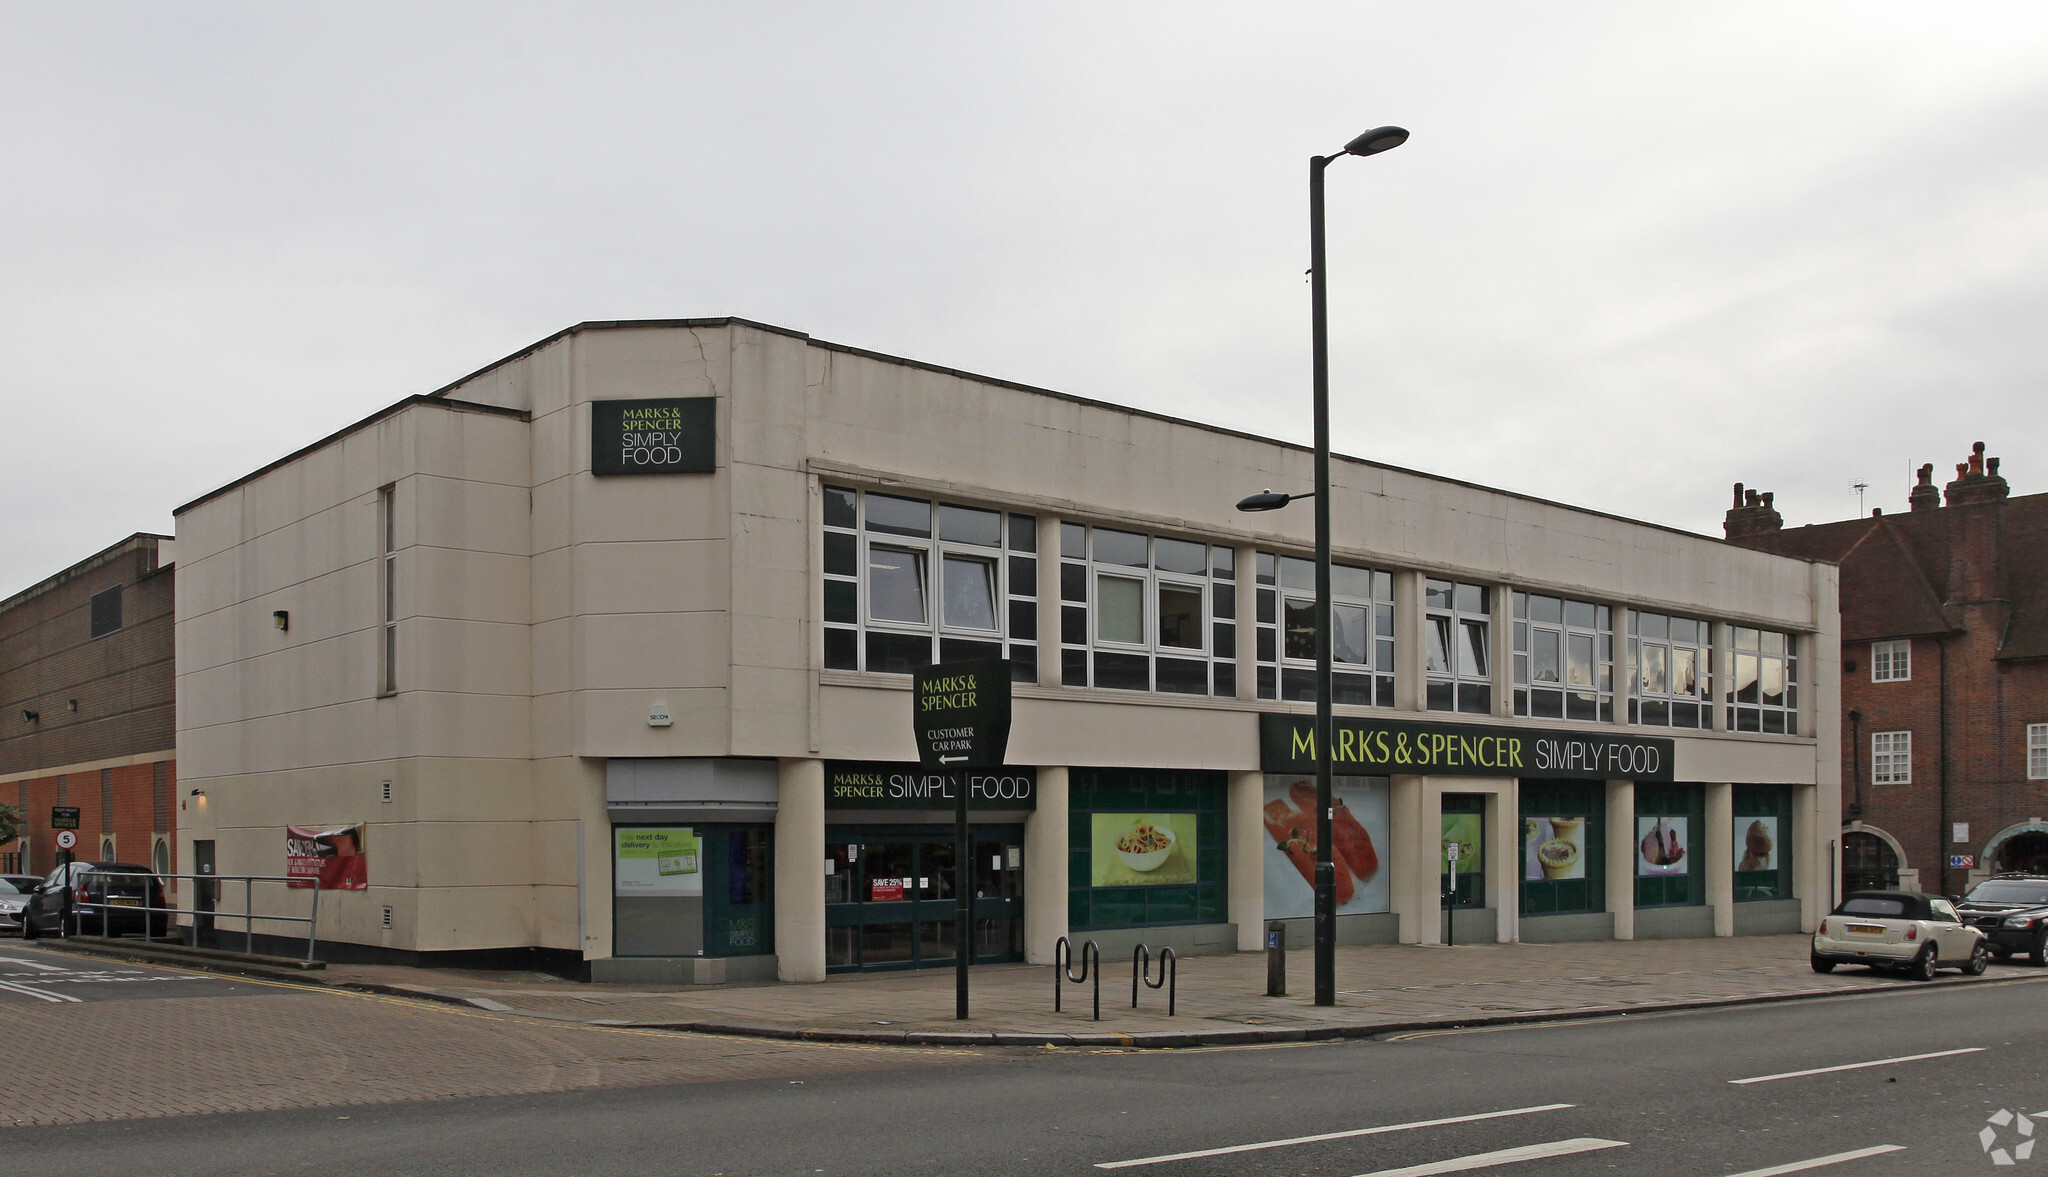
<point x="63" y="817"/>
<point x="961" y="714"/>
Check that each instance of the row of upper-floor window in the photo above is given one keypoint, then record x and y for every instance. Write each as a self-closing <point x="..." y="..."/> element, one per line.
<point x="1891" y="756"/>
<point x="911" y="580"/>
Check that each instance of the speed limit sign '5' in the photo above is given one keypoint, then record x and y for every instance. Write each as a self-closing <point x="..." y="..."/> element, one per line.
<point x="66" y="839"/>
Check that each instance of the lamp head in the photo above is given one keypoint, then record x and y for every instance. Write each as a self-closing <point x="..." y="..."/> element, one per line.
<point x="1265" y="500"/>
<point x="1377" y="140"/>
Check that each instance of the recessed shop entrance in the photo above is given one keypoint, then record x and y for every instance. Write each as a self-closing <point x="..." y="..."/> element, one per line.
<point x="889" y="896"/>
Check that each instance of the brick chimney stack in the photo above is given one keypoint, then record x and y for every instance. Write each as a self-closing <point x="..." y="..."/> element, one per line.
<point x="1751" y="516"/>
<point x="1925" y="496"/>
<point x="1977" y="480"/>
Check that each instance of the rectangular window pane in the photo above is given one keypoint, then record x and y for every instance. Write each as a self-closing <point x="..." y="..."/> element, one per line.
<point x="1436" y="594"/>
<point x="1124" y="672"/>
<point x="1223" y="560"/>
<point x="1472" y="650"/>
<point x="1684" y="629"/>
<point x="1024" y="620"/>
<point x="1656" y="626"/>
<point x="1268" y="651"/>
<point x="1684" y="671"/>
<point x="899" y="516"/>
<point x="1264" y="573"/>
<point x="1346" y="581"/>
<point x="1301" y="627"/>
<point x="1119" y="609"/>
<point x="839" y="507"/>
<point x="842" y="554"/>
<point x="1023" y="576"/>
<point x="970" y="593"/>
<point x="1773" y="682"/>
<point x="1180" y="616"/>
<point x="1074" y="583"/>
<point x="1023" y="533"/>
<point x="1550" y="609"/>
<point x="1298" y="686"/>
<point x="1348" y="641"/>
<point x="1579" y="660"/>
<point x="896" y="583"/>
<point x="1297" y="573"/>
<point x="1073" y="540"/>
<point x="842" y="649"/>
<point x="1439" y="696"/>
<point x="1119" y="547"/>
<point x="1746" y="670"/>
<point x="1183" y="676"/>
<point x="970" y="525"/>
<point x="1548" y="657"/>
<point x="1179" y="555"/>
<point x="842" y="602"/>
<point x="1579" y="614"/>
<point x="1226" y="680"/>
<point x="1437" y="633"/>
<point x="1656" y="670"/>
<point x="1474" y="598"/>
<point x="1475" y="698"/>
<point x="1023" y="663"/>
<point x="898" y="653"/>
<point x="1266" y="606"/>
<point x="1223" y="637"/>
<point x="1074" y="668"/>
<point x="1223" y="602"/>
<point x="961" y="650"/>
<point x="1074" y="625"/>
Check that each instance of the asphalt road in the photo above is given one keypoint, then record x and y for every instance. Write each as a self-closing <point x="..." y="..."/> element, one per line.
<point x="1706" y="1094"/>
<point x="29" y="975"/>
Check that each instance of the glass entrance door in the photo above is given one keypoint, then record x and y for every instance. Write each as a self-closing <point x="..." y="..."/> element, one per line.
<point x="890" y="895"/>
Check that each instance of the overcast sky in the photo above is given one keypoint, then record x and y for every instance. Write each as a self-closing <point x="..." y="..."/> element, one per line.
<point x="1633" y="254"/>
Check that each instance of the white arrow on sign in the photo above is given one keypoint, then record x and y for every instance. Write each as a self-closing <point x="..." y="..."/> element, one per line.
<point x="951" y="759"/>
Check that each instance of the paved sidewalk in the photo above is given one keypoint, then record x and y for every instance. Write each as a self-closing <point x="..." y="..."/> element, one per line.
<point x="1220" y="998"/>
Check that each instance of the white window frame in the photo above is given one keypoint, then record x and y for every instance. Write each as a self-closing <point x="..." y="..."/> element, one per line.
<point x="2037" y="751"/>
<point x="1891" y="758"/>
<point x="1891" y="661"/>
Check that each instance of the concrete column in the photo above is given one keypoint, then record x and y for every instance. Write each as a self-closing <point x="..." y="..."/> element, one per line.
<point x="1502" y="640"/>
<point x="1048" y="601"/>
<point x="1425" y="865"/>
<point x="1404" y="821"/>
<point x="1248" y="626"/>
<point x="1503" y="831"/>
<point x="1815" y="880"/>
<point x="800" y="871"/>
<point x="1621" y="857"/>
<point x="1720" y="852"/>
<point x="1245" y="834"/>
<point x="1410" y="649"/>
<point x="1045" y="866"/>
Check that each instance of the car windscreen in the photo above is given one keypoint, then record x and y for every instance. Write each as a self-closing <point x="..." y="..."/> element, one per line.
<point x="1890" y="907"/>
<point x="7" y="888"/>
<point x="2009" y="891"/>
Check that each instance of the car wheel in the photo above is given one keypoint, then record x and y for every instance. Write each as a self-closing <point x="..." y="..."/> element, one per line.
<point x="1980" y="959"/>
<point x="1923" y="966"/>
<point x="1821" y="964"/>
<point x="2038" y="957"/>
<point x="28" y="928"/>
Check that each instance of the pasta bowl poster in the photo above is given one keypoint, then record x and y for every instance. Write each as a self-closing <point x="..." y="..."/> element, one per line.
<point x="1289" y="853"/>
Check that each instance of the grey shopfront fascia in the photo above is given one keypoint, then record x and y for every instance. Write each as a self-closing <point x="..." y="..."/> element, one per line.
<point x="729" y="799"/>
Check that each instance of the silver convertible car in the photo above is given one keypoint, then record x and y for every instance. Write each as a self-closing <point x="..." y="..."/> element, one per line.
<point x="1899" y="930"/>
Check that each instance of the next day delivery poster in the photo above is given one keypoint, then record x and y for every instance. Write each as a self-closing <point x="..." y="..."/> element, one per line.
<point x="1360" y="827"/>
<point x="657" y="862"/>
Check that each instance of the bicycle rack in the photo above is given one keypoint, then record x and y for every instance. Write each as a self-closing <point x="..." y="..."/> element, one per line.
<point x="1169" y="974"/>
<point x="1063" y="971"/>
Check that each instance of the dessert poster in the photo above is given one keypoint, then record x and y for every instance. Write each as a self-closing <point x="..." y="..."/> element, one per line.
<point x="1553" y="848"/>
<point x="1359" y="826"/>
<point x="1661" y="846"/>
<point x="1756" y="847"/>
<point x="1463" y="829"/>
<point x="1142" y="849"/>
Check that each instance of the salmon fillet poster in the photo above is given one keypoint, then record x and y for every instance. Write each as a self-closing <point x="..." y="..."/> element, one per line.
<point x="335" y="857"/>
<point x="1360" y="838"/>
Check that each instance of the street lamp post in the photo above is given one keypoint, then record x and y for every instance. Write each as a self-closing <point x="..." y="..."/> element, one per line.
<point x="1371" y="143"/>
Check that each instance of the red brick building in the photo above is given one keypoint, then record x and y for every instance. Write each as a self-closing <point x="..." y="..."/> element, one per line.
<point x="87" y="708"/>
<point x="1944" y="676"/>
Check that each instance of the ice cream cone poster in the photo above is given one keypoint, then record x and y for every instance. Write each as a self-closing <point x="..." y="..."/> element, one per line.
<point x="1661" y="847"/>
<point x="1358" y="828"/>
<point x="1553" y="848"/>
<point x="1756" y="847"/>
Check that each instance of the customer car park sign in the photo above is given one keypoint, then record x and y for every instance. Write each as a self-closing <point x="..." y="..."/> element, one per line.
<point x="960" y="712"/>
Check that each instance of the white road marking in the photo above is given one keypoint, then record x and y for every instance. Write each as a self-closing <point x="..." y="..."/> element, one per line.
<point x="1505" y="1156"/>
<point x="14" y="987"/>
<point x="1217" y="1152"/>
<point x="1817" y="1162"/>
<point x="1904" y="1058"/>
<point x="34" y="964"/>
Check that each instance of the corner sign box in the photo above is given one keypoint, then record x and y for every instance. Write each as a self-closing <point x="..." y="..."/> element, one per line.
<point x="861" y="784"/>
<point x="960" y="712"/>
<point x="1377" y="747"/>
<point x="677" y="435"/>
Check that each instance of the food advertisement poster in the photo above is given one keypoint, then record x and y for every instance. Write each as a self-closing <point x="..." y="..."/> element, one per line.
<point x="1553" y="848"/>
<point x="1660" y="846"/>
<point x="1463" y="831"/>
<point x="334" y="857"/>
<point x="1359" y="826"/>
<point x="1757" y="849"/>
<point x="653" y="861"/>
<point x="1142" y="849"/>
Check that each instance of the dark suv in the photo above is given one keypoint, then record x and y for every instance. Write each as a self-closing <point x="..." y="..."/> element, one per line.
<point x="2012" y="911"/>
<point x="97" y="899"/>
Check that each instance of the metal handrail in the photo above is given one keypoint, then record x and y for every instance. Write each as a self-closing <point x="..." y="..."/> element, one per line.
<point x="1063" y="968"/>
<point x="247" y="915"/>
<point x="1169" y="974"/>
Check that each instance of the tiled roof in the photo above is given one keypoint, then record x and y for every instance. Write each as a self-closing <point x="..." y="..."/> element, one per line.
<point x="1895" y="571"/>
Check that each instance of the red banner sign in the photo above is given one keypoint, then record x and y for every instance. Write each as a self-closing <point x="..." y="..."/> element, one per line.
<point x="334" y="857"/>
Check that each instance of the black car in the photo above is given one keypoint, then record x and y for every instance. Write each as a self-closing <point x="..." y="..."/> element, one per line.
<point x="97" y="899"/>
<point x="2012" y="912"/>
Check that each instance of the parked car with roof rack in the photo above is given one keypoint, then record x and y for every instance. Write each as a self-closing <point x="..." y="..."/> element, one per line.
<point x="2012" y="912"/>
<point x="1905" y="930"/>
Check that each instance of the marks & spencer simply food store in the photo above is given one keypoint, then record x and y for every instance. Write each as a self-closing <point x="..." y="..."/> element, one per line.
<point x="609" y="645"/>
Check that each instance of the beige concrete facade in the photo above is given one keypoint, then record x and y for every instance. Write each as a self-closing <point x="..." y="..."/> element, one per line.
<point x="544" y="614"/>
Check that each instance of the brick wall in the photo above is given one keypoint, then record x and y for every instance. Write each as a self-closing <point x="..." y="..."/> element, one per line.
<point x="120" y="801"/>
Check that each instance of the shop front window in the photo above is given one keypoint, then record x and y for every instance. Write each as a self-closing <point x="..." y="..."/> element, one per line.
<point x="1564" y="847"/>
<point x="1146" y="848"/>
<point x="1464" y="822"/>
<point x="1670" y="834"/>
<point x="1763" y="847"/>
<point x="691" y="890"/>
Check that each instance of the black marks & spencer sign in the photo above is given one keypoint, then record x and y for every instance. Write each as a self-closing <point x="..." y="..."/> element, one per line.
<point x="960" y="712"/>
<point x="672" y="436"/>
<point x="1379" y="747"/>
<point x="859" y="784"/>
